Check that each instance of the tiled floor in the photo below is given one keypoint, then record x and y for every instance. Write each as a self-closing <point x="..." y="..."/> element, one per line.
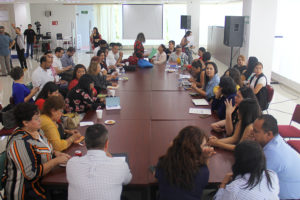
<point x="282" y="106"/>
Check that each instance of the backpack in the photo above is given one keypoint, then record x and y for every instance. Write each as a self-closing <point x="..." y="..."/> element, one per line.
<point x="262" y="95"/>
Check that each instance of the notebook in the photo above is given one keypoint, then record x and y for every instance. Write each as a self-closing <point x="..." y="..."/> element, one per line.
<point x="200" y="111"/>
<point x="113" y="103"/>
<point x="200" y="102"/>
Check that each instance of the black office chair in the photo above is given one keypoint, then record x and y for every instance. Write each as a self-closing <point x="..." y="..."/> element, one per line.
<point x="59" y="36"/>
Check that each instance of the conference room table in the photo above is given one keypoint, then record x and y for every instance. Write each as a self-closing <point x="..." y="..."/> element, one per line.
<point x="153" y="111"/>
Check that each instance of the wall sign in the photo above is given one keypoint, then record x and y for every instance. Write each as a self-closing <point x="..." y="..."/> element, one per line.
<point x="54" y="23"/>
<point x="85" y="12"/>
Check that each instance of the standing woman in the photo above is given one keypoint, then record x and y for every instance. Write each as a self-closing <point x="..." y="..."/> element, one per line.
<point x="182" y="173"/>
<point x="95" y="38"/>
<point x="29" y="156"/>
<point x="250" y="178"/>
<point x="211" y="80"/>
<point x="20" y="47"/>
<point x="187" y="46"/>
<point x="138" y="46"/>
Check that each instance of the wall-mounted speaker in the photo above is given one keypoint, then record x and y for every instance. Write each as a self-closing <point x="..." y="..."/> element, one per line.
<point x="47" y="13"/>
<point x="185" y="22"/>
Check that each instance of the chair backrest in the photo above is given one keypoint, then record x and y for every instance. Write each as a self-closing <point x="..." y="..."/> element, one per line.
<point x="270" y="93"/>
<point x="296" y="114"/>
<point x="2" y="167"/>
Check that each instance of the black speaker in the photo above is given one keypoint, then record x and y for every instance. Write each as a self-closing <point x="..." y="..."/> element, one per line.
<point x="234" y="31"/>
<point x="185" y="22"/>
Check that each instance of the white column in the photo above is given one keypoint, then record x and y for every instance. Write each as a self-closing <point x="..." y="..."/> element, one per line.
<point x="193" y="8"/>
<point x="22" y="15"/>
<point x="260" y="31"/>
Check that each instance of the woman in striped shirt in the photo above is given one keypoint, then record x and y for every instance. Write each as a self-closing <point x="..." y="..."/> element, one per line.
<point x="29" y="156"/>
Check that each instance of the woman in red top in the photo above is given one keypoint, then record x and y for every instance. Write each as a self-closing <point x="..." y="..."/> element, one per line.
<point x="79" y="70"/>
<point x="50" y="89"/>
<point x="138" y="45"/>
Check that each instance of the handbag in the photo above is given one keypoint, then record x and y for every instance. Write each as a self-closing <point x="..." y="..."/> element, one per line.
<point x="71" y="120"/>
<point x="144" y="63"/>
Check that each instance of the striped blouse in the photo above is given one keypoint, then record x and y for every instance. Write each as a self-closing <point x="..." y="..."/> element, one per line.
<point x="25" y="158"/>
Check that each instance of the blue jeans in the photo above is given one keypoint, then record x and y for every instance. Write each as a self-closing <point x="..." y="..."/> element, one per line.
<point x="31" y="49"/>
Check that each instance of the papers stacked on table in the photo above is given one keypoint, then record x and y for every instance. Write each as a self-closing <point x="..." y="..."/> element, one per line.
<point x="113" y="103"/>
<point x="200" y="111"/>
<point x="87" y="123"/>
<point x="200" y="102"/>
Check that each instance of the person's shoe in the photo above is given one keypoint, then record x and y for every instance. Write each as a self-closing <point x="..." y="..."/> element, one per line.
<point x="25" y="69"/>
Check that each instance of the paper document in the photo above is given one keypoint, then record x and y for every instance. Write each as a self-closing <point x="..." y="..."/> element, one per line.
<point x="184" y="76"/>
<point x="113" y="103"/>
<point x="200" y="102"/>
<point x="87" y="123"/>
<point x="200" y="111"/>
<point x="153" y="52"/>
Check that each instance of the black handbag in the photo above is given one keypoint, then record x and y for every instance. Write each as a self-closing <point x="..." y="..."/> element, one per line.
<point x="130" y="68"/>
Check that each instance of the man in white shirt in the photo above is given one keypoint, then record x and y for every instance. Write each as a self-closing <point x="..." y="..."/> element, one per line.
<point x="40" y="75"/>
<point x="57" y="65"/>
<point x="96" y="175"/>
<point x="114" y="57"/>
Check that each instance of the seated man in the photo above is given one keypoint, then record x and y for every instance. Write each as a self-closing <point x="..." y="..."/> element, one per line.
<point x="57" y="65"/>
<point x="67" y="62"/>
<point x="114" y="56"/>
<point x="178" y="56"/>
<point x="96" y="175"/>
<point x="41" y="74"/>
<point x="280" y="157"/>
<point x="103" y="44"/>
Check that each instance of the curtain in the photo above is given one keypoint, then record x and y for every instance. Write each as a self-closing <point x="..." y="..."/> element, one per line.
<point x="108" y="19"/>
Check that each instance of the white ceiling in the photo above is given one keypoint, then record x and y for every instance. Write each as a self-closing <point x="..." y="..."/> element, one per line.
<point x="108" y="1"/>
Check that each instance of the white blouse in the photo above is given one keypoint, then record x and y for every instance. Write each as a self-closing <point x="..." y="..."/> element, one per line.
<point x="160" y="58"/>
<point x="236" y="189"/>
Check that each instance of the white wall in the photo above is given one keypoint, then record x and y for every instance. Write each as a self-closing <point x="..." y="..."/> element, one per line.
<point x="64" y="14"/>
<point x="11" y="19"/>
<point x="22" y="15"/>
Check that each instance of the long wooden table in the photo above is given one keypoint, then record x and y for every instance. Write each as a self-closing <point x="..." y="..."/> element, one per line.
<point x="153" y="112"/>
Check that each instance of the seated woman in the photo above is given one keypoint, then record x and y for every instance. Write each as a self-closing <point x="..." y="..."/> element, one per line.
<point x="226" y="92"/>
<point x="161" y="56"/>
<point x="80" y="99"/>
<point x="236" y="76"/>
<point x="109" y="72"/>
<point x="248" y="112"/>
<point x="20" y="92"/>
<point x="258" y="83"/>
<point x="250" y="68"/>
<point x="229" y="123"/>
<point x="201" y="51"/>
<point x="211" y="80"/>
<point x="178" y="57"/>
<point x="188" y="157"/>
<point x="79" y="70"/>
<point x="29" y="156"/>
<point x="100" y="81"/>
<point x="50" y="89"/>
<point x="54" y="131"/>
<point x="198" y="73"/>
<point x="171" y="48"/>
<point x="250" y="178"/>
<point x="241" y="64"/>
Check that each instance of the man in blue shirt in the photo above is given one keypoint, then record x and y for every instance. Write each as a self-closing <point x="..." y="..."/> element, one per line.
<point x="67" y="62"/>
<point x="5" y="45"/>
<point x="280" y="157"/>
